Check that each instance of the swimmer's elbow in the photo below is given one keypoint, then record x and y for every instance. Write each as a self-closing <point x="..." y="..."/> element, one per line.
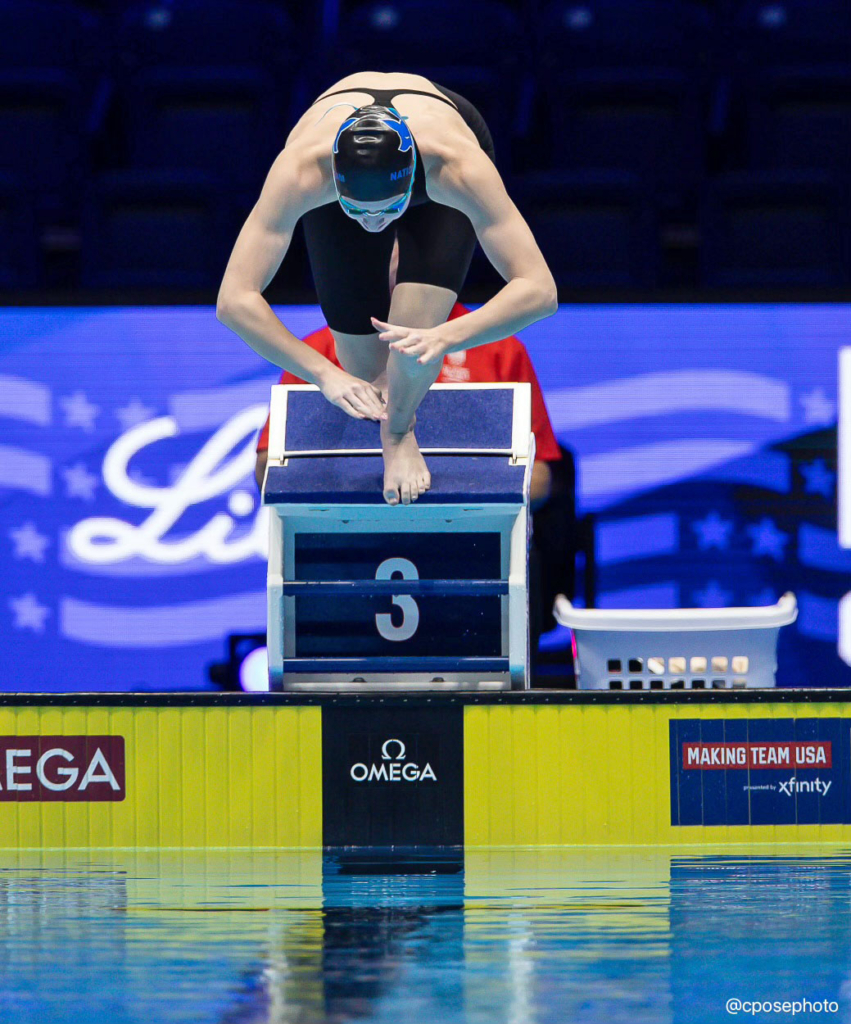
<point x="549" y="300"/>
<point x="224" y="310"/>
<point x="228" y="308"/>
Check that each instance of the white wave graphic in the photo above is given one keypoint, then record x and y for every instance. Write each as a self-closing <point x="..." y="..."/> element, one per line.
<point x="23" y="470"/>
<point x="623" y="540"/>
<point x="172" y="625"/>
<point x="657" y="394"/>
<point x="626" y="470"/>
<point x="207" y="409"/>
<point x="27" y="400"/>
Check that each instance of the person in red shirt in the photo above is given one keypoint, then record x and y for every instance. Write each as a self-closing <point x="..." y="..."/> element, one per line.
<point x="499" y="362"/>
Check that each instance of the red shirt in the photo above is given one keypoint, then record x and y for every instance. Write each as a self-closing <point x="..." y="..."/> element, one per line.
<point x="498" y="362"/>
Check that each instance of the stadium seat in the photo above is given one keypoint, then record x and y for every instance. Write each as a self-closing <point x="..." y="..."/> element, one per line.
<point x="793" y="73"/>
<point x="596" y="229"/>
<point x="219" y="121"/>
<point x="625" y="86"/>
<point x="207" y="86"/>
<point x="763" y="229"/>
<point x="50" y="60"/>
<point x="19" y="252"/>
<point x="793" y="33"/>
<point x="476" y="51"/>
<point x="149" y="229"/>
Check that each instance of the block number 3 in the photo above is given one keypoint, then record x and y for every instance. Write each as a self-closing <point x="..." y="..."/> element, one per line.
<point x="410" y="612"/>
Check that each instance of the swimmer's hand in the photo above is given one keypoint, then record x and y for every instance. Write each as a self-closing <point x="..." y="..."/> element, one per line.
<point x="354" y="396"/>
<point x="425" y="344"/>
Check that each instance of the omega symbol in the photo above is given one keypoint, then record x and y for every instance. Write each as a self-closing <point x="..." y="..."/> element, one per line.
<point x="385" y="756"/>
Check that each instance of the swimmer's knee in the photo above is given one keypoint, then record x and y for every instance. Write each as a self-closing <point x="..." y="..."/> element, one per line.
<point x="362" y="355"/>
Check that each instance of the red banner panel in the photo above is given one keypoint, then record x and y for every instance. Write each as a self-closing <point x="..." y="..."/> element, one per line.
<point x="35" y="768"/>
<point x="708" y="756"/>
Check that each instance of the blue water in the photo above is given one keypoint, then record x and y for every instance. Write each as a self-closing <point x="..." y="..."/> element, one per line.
<point x="513" y="936"/>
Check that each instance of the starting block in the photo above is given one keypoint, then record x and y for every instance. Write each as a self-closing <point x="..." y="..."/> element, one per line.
<point x="431" y="595"/>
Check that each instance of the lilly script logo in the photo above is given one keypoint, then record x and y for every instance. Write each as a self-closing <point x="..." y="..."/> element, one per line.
<point x="393" y="767"/>
<point x="214" y="471"/>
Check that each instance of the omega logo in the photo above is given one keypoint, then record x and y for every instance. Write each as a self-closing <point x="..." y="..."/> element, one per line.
<point x="393" y="767"/>
<point x="42" y="768"/>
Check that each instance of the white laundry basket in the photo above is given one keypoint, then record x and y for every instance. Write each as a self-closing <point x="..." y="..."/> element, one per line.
<point x="675" y="649"/>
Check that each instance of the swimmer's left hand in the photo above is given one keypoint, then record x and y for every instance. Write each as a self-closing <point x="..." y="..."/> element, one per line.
<point x="425" y="344"/>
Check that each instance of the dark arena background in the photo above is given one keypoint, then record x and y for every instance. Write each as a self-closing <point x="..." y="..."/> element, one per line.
<point x="618" y="787"/>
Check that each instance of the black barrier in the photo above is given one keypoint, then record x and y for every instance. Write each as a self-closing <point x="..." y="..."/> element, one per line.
<point x="393" y="776"/>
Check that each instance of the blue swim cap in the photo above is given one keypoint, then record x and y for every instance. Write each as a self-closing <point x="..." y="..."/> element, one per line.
<point x="373" y="156"/>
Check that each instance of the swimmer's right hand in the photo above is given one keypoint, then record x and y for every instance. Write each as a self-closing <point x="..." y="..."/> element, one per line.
<point x="354" y="396"/>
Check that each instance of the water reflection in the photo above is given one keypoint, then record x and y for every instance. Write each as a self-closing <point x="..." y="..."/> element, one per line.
<point x="515" y="936"/>
<point x="766" y="928"/>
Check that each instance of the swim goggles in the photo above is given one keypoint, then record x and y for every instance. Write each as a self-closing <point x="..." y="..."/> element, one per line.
<point x="396" y="207"/>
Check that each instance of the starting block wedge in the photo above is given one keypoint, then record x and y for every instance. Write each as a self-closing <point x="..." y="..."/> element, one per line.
<point x="432" y="595"/>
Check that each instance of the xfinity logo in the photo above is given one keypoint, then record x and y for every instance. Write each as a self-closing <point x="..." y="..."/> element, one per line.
<point x="795" y="785"/>
<point x="393" y="767"/>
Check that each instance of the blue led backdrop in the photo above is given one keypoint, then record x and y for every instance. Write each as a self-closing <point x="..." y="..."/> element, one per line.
<point x="132" y="543"/>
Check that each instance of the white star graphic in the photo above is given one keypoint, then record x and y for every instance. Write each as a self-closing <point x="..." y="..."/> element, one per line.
<point x="819" y="410"/>
<point x="29" y="614"/>
<point x="134" y="413"/>
<point x="819" y="479"/>
<point x="713" y="595"/>
<point x="79" y="411"/>
<point x="713" y="531"/>
<point x="29" y="543"/>
<point x="767" y="539"/>
<point x="79" y="482"/>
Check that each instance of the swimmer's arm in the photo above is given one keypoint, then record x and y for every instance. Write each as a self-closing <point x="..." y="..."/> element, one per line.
<point x="473" y="185"/>
<point x="259" y="250"/>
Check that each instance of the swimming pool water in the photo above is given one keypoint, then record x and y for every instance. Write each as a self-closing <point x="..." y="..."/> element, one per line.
<point x="514" y="936"/>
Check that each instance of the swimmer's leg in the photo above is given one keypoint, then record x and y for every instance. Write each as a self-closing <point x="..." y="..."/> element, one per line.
<point x="361" y="355"/>
<point x="406" y="475"/>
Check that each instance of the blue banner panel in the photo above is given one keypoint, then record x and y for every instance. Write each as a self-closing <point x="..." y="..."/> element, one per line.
<point x="132" y="541"/>
<point x="764" y="771"/>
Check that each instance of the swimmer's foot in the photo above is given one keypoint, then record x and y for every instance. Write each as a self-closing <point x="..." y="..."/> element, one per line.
<point x="406" y="475"/>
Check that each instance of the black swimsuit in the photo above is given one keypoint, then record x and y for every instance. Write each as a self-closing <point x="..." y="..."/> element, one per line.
<point x="436" y="242"/>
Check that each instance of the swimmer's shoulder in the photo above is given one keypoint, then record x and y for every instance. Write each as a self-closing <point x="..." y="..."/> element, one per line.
<point x="298" y="179"/>
<point x="453" y="160"/>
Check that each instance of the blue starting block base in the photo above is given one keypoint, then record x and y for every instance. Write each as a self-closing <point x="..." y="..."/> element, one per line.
<point x="433" y="595"/>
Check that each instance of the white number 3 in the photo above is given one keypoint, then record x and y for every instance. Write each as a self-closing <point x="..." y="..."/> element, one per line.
<point x="410" y="612"/>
